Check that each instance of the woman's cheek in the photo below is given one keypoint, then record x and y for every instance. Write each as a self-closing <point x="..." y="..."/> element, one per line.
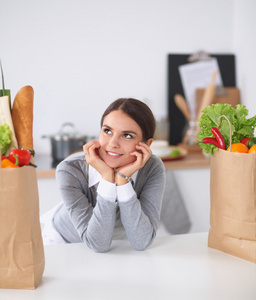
<point x="101" y="153"/>
<point x="132" y="159"/>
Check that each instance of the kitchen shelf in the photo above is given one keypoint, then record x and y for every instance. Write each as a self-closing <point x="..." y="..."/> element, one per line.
<point x="193" y="160"/>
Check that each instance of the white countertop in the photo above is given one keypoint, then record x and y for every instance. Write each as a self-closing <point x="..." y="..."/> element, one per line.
<point x="174" y="267"/>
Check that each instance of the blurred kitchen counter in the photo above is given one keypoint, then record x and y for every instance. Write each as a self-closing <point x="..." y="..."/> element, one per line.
<point x="193" y="160"/>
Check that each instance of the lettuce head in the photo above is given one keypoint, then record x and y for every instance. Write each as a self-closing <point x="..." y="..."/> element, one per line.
<point x="5" y="138"/>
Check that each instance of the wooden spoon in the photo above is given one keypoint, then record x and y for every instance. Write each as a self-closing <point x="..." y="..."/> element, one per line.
<point x="206" y="100"/>
<point x="183" y="106"/>
<point x="208" y="95"/>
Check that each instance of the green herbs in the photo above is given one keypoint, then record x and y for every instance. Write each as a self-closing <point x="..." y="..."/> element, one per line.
<point x="241" y="126"/>
<point x="5" y="138"/>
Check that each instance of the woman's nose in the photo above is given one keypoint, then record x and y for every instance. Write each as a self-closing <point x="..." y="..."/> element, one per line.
<point x="114" y="141"/>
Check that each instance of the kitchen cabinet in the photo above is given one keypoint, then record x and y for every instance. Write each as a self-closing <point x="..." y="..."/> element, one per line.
<point x="192" y="175"/>
<point x="194" y="185"/>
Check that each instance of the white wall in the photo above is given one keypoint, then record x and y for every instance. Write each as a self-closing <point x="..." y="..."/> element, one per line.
<point x="80" y="55"/>
<point x="244" y="45"/>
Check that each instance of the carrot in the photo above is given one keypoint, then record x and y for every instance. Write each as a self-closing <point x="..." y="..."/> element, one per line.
<point x="22" y="117"/>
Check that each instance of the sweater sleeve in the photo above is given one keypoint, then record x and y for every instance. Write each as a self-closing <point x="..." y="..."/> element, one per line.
<point x="93" y="224"/>
<point x="140" y="215"/>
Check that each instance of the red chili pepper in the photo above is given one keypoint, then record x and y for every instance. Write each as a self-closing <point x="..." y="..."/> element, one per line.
<point x="219" y="138"/>
<point x="210" y="140"/>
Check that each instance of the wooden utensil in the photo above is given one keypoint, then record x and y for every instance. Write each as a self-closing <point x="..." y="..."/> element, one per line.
<point x="183" y="106"/>
<point x="208" y="95"/>
<point x="206" y="100"/>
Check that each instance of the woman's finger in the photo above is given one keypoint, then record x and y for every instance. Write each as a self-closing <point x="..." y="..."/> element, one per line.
<point x="146" y="151"/>
<point x="90" y="151"/>
<point x="140" y="159"/>
<point x="87" y="146"/>
<point x="144" y="147"/>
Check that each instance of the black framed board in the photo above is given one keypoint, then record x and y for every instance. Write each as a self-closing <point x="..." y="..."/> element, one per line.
<point x="177" y="121"/>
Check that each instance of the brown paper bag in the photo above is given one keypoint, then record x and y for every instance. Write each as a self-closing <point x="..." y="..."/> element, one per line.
<point x="233" y="204"/>
<point x="21" y="247"/>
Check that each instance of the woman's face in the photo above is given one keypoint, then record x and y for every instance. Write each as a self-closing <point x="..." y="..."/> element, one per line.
<point x="118" y="137"/>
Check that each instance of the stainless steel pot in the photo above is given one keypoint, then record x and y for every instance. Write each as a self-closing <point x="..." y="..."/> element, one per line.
<point x="66" y="142"/>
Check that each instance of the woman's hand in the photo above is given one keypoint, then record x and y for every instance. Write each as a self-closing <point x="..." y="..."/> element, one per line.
<point x="142" y="154"/>
<point x="92" y="158"/>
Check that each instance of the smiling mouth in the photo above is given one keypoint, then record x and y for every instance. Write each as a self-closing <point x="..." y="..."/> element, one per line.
<point x="112" y="154"/>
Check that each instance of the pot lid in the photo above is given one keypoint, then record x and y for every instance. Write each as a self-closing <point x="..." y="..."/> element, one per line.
<point x="64" y="134"/>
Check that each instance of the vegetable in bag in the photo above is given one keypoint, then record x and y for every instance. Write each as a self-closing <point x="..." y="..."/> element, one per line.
<point x="241" y="126"/>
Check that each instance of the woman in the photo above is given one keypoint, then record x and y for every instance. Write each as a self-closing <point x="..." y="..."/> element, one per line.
<point x="114" y="188"/>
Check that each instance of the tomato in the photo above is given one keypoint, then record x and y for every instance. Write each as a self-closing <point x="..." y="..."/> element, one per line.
<point x="3" y="157"/>
<point x="251" y="142"/>
<point x="23" y="156"/>
<point x="245" y="141"/>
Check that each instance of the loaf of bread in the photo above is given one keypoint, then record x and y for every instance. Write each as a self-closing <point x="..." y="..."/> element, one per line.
<point x="22" y="117"/>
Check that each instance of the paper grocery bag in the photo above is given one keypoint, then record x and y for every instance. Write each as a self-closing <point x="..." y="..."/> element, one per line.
<point x="21" y="248"/>
<point x="233" y="204"/>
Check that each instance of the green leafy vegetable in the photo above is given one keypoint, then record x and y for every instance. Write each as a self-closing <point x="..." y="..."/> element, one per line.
<point x="241" y="126"/>
<point x="5" y="138"/>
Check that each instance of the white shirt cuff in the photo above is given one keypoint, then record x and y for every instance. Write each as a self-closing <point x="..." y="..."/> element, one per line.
<point x="107" y="190"/>
<point x="125" y="192"/>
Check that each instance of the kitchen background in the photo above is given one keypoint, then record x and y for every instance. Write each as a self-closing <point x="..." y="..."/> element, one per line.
<point x="80" y="55"/>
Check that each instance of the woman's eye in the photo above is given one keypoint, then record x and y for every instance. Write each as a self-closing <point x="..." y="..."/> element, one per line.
<point x="127" y="136"/>
<point x="107" y="131"/>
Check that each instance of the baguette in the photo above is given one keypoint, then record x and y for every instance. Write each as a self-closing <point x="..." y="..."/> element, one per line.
<point x="22" y="117"/>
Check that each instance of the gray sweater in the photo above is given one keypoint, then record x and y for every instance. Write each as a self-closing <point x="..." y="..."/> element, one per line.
<point x="97" y="222"/>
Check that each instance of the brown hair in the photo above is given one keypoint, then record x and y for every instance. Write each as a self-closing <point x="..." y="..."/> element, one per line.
<point x="138" y="111"/>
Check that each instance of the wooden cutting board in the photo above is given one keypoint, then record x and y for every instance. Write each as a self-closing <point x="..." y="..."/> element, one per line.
<point x="232" y="97"/>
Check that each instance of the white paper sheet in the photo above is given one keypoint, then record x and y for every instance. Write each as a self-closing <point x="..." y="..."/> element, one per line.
<point x="198" y="75"/>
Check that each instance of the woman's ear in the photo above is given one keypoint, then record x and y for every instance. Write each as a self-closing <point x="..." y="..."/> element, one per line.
<point x="149" y="142"/>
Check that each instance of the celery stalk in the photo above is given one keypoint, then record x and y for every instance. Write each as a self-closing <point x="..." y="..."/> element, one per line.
<point x="5" y="92"/>
<point x="6" y="118"/>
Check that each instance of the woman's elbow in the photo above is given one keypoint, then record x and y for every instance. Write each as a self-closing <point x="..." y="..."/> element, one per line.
<point x="141" y="246"/>
<point x="100" y="249"/>
<point x="143" y="243"/>
<point x="96" y="246"/>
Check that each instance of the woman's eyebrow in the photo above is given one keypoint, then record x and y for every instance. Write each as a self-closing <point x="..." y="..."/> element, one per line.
<point x="105" y="125"/>
<point x="125" y="131"/>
